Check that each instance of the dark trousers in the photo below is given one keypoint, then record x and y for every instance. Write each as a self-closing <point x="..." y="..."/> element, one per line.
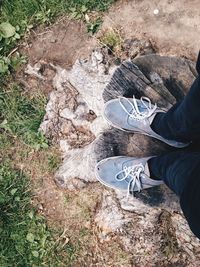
<point x="176" y="169"/>
<point x="181" y="123"/>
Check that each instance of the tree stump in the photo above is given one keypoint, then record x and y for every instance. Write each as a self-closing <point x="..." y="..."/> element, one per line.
<point x="150" y="225"/>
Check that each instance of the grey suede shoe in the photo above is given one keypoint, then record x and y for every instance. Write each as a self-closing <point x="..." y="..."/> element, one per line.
<point x="125" y="173"/>
<point x="133" y="115"/>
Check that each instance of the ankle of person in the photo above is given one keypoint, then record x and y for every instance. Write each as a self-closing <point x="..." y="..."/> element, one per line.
<point x="153" y="174"/>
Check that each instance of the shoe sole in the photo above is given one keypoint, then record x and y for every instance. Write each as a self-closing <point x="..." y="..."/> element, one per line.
<point x="141" y="132"/>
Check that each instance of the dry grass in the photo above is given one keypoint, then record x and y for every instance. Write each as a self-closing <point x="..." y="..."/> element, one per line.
<point x="169" y="245"/>
<point x="112" y="39"/>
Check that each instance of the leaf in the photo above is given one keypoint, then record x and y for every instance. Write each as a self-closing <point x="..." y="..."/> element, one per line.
<point x="72" y="9"/>
<point x="7" y="30"/>
<point x="17" y="36"/>
<point x="13" y="191"/>
<point x="17" y="199"/>
<point x="45" y="145"/>
<point x="17" y="28"/>
<point x="74" y="14"/>
<point x="35" y="253"/>
<point x="30" y="237"/>
<point x="4" y="65"/>
<point x="2" y="199"/>
<point x="30" y="26"/>
<point x="4" y="122"/>
<point x="43" y="241"/>
<point x="79" y="16"/>
<point x="84" y="8"/>
<point x="31" y="214"/>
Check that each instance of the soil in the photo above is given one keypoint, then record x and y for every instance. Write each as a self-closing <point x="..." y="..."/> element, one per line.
<point x="174" y="30"/>
<point x="60" y="44"/>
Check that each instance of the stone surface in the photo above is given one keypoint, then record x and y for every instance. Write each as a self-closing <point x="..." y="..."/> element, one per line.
<point x="110" y="217"/>
<point x="150" y="225"/>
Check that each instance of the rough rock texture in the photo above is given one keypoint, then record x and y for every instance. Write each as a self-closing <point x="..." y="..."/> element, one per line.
<point x="150" y="224"/>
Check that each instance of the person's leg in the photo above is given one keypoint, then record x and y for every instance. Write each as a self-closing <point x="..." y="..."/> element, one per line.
<point x="176" y="169"/>
<point x="182" y="121"/>
<point x="181" y="173"/>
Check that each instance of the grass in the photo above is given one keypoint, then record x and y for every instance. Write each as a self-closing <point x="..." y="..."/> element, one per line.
<point x="21" y="116"/>
<point x="23" y="15"/>
<point x="29" y="10"/>
<point x="26" y="239"/>
<point x="112" y="40"/>
<point x="53" y="162"/>
<point x="168" y="244"/>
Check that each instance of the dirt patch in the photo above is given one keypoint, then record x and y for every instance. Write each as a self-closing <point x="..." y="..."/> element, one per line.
<point x="60" y="44"/>
<point x="173" y="30"/>
<point x="74" y="212"/>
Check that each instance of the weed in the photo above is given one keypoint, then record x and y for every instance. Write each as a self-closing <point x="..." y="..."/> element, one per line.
<point x="169" y="245"/>
<point x="78" y="12"/>
<point x="7" y="64"/>
<point x="112" y="40"/>
<point x="53" y="162"/>
<point x="16" y="61"/>
<point x="8" y="34"/>
<point x="44" y="16"/>
<point x="4" y="64"/>
<point x="83" y="232"/>
<point x="93" y="26"/>
<point x="67" y="199"/>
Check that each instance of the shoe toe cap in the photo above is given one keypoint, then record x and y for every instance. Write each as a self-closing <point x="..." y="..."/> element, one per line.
<point x="105" y="173"/>
<point x="115" y="114"/>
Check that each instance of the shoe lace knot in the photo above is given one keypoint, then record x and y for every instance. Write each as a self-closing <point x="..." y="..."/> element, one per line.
<point x="135" y="112"/>
<point x="134" y="175"/>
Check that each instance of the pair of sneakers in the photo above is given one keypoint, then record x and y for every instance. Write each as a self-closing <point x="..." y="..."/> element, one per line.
<point x="129" y="173"/>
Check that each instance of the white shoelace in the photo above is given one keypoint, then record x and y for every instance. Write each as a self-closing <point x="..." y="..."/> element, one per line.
<point x="136" y="113"/>
<point x="135" y="173"/>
